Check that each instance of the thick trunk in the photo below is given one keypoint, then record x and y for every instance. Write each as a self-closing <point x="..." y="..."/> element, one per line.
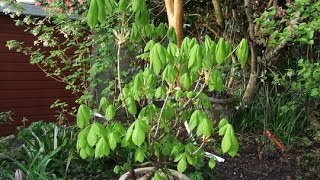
<point x="175" y="17"/>
<point x="252" y="84"/>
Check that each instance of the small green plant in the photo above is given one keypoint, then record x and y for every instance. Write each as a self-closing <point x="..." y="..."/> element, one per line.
<point x="46" y="152"/>
<point x="308" y="79"/>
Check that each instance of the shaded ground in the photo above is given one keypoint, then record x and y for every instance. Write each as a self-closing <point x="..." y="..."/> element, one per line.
<point x="300" y="162"/>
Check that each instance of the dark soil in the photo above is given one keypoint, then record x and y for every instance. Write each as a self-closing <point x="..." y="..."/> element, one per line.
<point x="300" y="162"/>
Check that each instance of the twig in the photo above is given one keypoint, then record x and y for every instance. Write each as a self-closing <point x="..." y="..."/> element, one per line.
<point x="162" y="109"/>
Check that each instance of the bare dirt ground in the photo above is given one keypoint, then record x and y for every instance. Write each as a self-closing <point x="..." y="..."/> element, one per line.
<point x="301" y="161"/>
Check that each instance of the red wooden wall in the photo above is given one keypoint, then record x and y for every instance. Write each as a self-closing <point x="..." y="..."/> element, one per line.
<point x="24" y="88"/>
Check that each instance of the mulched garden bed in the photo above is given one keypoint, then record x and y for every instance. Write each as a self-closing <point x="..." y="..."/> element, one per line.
<point x="300" y="162"/>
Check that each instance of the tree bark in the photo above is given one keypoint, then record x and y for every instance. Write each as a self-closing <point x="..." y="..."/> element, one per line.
<point x="252" y="83"/>
<point x="218" y="13"/>
<point x="175" y="17"/>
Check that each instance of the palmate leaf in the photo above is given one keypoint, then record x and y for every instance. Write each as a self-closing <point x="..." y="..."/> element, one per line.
<point x="123" y="4"/>
<point x="182" y="164"/>
<point x="226" y="141"/>
<point x="129" y="132"/>
<point x="82" y="138"/>
<point x="195" y="58"/>
<point x="223" y="122"/>
<point x="92" y="16"/>
<point x="172" y="36"/>
<point x="229" y="142"/>
<point x="112" y="139"/>
<point x="83" y="116"/>
<point x="185" y="81"/>
<point x="92" y="137"/>
<point x="110" y="112"/>
<point x="132" y="107"/>
<point x="103" y="104"/>
<point x="221" y="51"/>
<point x="205" y="127"/>
<point x="243" y="52"/>
<point x="157" y="58"/>
<point x="139" y="154"/>
<point x="195" y="119"/>
<point x="101" y="11"/>
<point x="169" y="74"/>
<point x="138" y="134"/>
<point x="216" y="81"/>
<point x="212" y="163"/>
<point x="102" y="148"/>
<point x="234" y="144"/>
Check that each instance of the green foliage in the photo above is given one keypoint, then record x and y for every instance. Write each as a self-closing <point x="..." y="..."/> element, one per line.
<point x="283" y="114"/>
<point x="276" y="19"/>
<point x="308" y="78"/>
<point x="154" y="127"/>
<point x="46" y="152"/>
<point x="243" y="52"/>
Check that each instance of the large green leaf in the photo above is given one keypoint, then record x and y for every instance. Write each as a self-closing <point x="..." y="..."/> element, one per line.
<point x="234" y="144"/>
<point x="83" y="154"/>
<point x="185" y="81"/>
<point x="136" y="5"/>
<point x="221" y="51"/>
<point x="109" y="6"/>
<point x="82" y="138"/>
<point x="195" y="119"/>
<point x="216" y="81"/>
<point x="138" y="82"/>
<point x="223" y="122"/>
<point x="195" y="58"/>
<point x="101" y="11"/>
<point x="139" y="154"/>
<point x="89" y="151"/>
<point x="243" y="52"/>
<point x="104" y="103"/>
<point x="149" y="45"/>
<point x="110" y="112"/>
<point x="226" y="141"/>
<point x="112" y="139"/>
<point x="157" y="57"/>
<point x="138" y="134"/>
<point x="132" y="107"/>
<point x="169" y="74"/>
<point x="102" y="148"/>
<point x="123" y="4"/>
<point x="212" y="163"/>
<point x="205" y="127"/>
<point x="92" y="137"/>
<point x="92" y="16"/>
<point x="172" y="36"/>
<point x="209" y="57"/>
<point x="182" y="164"/>
<point x="129" y="132"/>
<point x="83" y="116"/>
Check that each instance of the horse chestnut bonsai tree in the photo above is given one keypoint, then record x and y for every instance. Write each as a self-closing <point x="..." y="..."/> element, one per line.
<point x="177" y="77"/>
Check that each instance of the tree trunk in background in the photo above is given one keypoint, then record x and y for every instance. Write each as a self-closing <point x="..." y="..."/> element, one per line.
<point x="253" y="79"/>
<point x="175" y="17"/>
<point x="218" y="13"/>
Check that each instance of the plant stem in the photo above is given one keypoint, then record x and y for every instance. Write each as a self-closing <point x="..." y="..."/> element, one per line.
<point x="162" y="109"/>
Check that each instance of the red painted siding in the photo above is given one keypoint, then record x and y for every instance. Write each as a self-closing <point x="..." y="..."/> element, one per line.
<point x="24" y="88"/>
